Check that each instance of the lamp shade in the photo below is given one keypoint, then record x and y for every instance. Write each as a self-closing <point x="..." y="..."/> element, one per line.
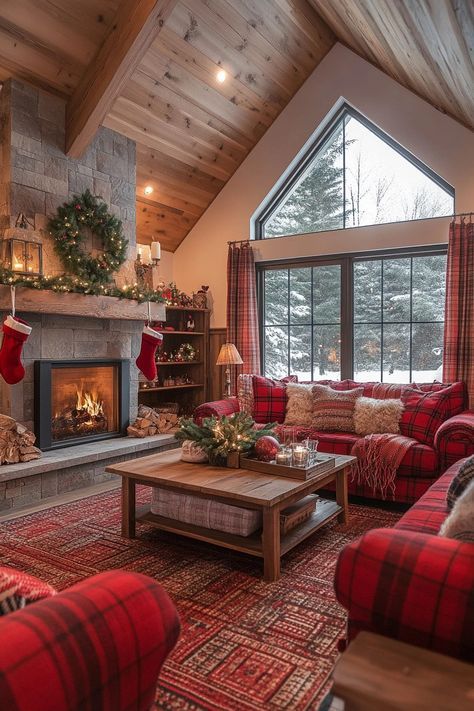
<point x="229" y="355"/>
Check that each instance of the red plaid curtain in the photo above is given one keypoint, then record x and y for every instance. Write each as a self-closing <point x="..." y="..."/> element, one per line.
<point x="458" y="356"/>
<point x="242" y="311"/>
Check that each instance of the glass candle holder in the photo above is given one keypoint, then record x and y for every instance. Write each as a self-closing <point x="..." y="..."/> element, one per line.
<point x="284" y="456"/>
<point x="300" y="456"/>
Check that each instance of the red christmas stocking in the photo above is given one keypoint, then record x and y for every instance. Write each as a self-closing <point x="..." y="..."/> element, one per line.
<point x="151" y="339"/>
<point x="15" y="333"/>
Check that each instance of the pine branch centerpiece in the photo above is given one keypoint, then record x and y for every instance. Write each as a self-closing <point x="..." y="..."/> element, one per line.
<point x="224" y="436"/>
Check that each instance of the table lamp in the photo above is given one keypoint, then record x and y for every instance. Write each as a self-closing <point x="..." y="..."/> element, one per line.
<point x="228" y="355"/>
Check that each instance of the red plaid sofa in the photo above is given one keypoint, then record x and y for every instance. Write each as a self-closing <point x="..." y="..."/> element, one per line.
<point x="421" y="465"/>
<point x="410" y="584"/>
<point x="98" y="645"/>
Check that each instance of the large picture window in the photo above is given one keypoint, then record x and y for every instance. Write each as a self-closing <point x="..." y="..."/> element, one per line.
<point x="370" y="318"/>
<point x="354" y="175"/>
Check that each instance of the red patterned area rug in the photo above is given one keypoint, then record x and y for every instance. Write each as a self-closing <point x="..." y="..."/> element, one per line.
<point x="245" y="644"/>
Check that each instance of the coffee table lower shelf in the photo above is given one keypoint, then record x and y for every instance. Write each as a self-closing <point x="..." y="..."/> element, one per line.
<point x="236" y="487"/>
<point x="252" y="545"/>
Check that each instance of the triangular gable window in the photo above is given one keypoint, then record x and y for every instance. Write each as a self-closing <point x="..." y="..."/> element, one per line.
<point x="352" y="176"/>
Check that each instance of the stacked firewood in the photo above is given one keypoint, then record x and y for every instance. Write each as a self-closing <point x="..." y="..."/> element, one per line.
<point x="16" y="442"/>
<point x="151" y="421"/>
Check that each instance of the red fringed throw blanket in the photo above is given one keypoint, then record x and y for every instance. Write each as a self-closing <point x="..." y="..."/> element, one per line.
<point x="378" y="458"/>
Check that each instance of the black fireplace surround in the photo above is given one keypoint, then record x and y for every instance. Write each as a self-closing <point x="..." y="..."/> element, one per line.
<point x="79" y="401"/>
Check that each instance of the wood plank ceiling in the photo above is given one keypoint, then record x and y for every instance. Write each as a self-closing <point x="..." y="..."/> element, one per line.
<point x="192" y="132"/>
<point x="426" y="45"/>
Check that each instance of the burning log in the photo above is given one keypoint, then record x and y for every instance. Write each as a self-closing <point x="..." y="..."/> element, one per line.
<point x="85" y="418"/>
<point x="150" y="422"/>
<point x="16" y="442"/>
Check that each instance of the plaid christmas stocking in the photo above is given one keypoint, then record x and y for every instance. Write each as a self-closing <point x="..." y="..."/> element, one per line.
<point x="151" y="339"/>
<point x="15" y="333"/>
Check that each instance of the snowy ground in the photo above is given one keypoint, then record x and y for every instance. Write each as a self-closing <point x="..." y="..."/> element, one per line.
<point x="365" y="376"/>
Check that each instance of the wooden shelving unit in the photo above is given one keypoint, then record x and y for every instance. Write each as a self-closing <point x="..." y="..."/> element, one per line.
<point x="187" y="396"/>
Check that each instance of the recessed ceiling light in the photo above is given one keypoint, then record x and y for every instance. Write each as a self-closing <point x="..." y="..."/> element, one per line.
<point x="221" y="76"/>
<point x="148" y="190"/>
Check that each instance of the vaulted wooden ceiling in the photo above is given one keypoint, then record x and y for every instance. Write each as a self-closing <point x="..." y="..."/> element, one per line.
<point x="192" y="132"/>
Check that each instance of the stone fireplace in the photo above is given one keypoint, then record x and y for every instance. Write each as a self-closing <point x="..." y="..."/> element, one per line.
<point x="80" y="401"/>
<point x="75" y="338"/>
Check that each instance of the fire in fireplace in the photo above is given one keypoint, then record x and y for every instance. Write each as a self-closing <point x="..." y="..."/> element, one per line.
<point x="79" y="401"/>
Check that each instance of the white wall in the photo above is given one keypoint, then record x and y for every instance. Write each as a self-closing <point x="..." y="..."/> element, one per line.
<point x="442" y="143"/>
<point x="165" y="270"/>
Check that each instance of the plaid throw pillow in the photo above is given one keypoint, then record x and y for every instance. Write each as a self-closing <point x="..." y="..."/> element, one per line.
<point x="460" y="482"/>
<point x="456" y="402"/>
<point x="333" y="410"/>
<point x="425" y="412"/>
<point x="269" y="398"/>
<point x="18" y="589"/>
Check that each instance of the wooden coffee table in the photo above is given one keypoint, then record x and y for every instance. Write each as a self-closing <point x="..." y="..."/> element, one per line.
<point x="237" y="487"/>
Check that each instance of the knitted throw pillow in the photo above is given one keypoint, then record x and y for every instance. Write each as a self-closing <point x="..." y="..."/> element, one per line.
<point x="334" y="410"/>
<point x="18" y="589"/>
<point x="460" y="522"/>
<point x="245" y="393"/>
<point x="299" y="405"/>
<point x="377" y="416"/>
<point x="460" y="482"/>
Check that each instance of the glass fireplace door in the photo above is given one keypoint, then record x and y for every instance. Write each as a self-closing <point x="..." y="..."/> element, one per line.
<point x="84" y="401"/>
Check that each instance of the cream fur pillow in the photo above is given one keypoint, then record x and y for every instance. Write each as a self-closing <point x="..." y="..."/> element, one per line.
<point x="460" y="522"/>
<point x="377" y="416"/>
<point x="299" y="405"/>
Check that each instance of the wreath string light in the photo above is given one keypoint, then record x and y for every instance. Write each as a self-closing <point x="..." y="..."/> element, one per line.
<point x="66" y="229"/>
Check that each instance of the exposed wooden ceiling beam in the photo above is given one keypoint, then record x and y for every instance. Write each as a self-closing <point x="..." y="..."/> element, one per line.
<point x="137" y="24"/>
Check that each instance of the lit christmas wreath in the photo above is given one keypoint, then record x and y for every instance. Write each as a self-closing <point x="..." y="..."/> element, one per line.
<point x="66" y="228"/>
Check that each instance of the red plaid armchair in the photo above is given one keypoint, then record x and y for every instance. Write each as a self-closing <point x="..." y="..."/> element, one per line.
<point x="97" y="645"/>
<point x="411" y="584"/>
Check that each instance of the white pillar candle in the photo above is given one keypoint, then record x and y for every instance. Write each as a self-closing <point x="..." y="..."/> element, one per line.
<point x="155" y="250"/>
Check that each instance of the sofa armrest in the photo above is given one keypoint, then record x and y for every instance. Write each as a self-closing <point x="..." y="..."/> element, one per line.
<point x="454" y="440"/>
<point x="218" y="408"/>
<point x="97" y="645"/>
<point x="410" y="586"/>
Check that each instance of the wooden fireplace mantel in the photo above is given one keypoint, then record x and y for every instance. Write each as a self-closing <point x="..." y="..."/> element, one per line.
<point x="51" y="302"/>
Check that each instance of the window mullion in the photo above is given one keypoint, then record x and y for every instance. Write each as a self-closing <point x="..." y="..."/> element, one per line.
<point x="312" y="323"/>
<point x="347" y="317"/>
<point x="381" y="318"/>
<point x="344" y="172"/>
<point x="410" y="345"/>
<point x="289" y="324"/>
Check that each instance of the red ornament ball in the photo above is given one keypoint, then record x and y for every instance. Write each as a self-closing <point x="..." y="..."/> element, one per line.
<point x="266" y="448"/>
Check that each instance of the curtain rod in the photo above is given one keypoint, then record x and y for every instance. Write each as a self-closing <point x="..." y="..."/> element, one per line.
<point x="461" y="214"/>
<point x="239" y="241"/>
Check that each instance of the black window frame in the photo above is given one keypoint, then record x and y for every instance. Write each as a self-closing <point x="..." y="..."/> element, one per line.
<point x="347" y="262"/>
<point x="297" y="172"/>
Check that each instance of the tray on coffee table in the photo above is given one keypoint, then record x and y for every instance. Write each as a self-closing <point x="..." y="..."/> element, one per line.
<point x="324" y="463"/>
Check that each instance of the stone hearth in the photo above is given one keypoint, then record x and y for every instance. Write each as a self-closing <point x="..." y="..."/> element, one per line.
<point x="64" y="470"/>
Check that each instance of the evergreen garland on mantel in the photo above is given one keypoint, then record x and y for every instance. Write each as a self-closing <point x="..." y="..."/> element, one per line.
<point x="72" y="285"/>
